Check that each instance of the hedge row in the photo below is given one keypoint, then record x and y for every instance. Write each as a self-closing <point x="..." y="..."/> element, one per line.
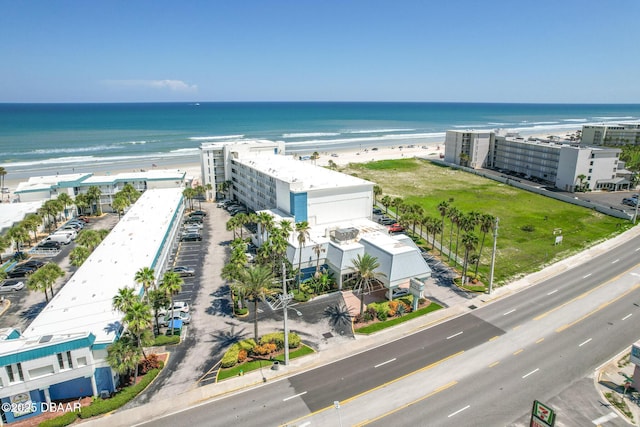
<point x="268" y="343"/>
<point x="61" y="421"/>
<point x="166" y="340"/>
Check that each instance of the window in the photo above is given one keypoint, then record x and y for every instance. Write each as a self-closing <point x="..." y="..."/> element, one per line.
<point x="69" y="360"/>
<point x="20" y="374"/>
<point x="60" y="361"/>
<point x="9" y="370"/>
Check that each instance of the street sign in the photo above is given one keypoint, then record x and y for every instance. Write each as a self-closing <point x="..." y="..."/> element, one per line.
<point x="542" y="415"/>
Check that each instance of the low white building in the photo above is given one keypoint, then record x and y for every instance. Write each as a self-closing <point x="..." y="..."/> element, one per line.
<point x="62" y="353"/>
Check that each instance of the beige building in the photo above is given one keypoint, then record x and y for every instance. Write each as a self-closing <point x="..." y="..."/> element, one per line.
<point x="620" y="134"/>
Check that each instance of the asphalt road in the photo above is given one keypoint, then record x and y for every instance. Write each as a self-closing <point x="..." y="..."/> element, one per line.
<point x="482" y="368"/>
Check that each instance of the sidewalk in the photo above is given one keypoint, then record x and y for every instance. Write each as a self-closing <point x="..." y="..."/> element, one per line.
<point x="340" y="347"/>
<point x="612" y="378"/>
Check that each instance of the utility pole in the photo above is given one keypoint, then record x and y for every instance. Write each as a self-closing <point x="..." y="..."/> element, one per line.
<point x="286" y="298"/>
<point x="493" y="254"/>
<point x="635" y="214"/>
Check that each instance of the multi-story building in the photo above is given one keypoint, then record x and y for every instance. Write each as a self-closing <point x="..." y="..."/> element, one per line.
<point x="605" y="134"/>
<point x="468" y="148"/>
<point x="566" y="166"/>
<point x="62" y="353"/>
<point x="215" y="158"/>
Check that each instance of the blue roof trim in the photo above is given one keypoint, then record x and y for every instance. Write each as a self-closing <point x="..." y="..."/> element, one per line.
<point x="47" y="350"/>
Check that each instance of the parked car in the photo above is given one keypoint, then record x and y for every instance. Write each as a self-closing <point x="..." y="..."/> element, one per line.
<point x="177" y="306"/>
<point x="32" y="263"/>
<point x="396" y="228"/>
<point x="630" y="201"/>
<point x="193" y="219"/>
<point x="20" y="272"/>
<point x="64" y="238"/>
<point x="184" y="271"/>
<point x="198" y="213"/>
<point x="191" y="230"/>
<point x="50" y="244"/>
<point x="77" y="222"/>
<point x="163" y="320"/>
<point x="83" y="218"/>
<point x="11" y="286"/>
<point x="399" y="292"/>
<point x="191" y="237"/>
<point x="388" y="221"/>
<point x="377" y="211"/>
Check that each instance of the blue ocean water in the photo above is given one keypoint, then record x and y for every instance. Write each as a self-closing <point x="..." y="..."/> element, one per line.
<point x="40" y="138"/>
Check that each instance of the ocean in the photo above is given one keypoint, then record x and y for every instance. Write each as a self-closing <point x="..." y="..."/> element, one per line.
<point x="43" y="139"/>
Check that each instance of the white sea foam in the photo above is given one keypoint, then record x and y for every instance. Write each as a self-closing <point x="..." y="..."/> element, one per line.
<point x="366" y="139"/>
<point x="543" y="123"/>
<point x="378" y="130"/>
<point x="213" y="138"/>
<point x="185" y="150"/>
<point x="135" y="142"/>
<point x="470" y="126"/>
<point x="74" y="150"/>
<point x="309" y="134"/>
<point x="574" y="120"/>
<point x="614" y="118"/>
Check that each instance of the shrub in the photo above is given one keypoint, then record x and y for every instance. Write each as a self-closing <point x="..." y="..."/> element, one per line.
<point x="276" y="338"/>
<point x="366" y="316"/>
<point x="61" y="421"/>
<point x="247" y="344"/>
<point x="151" y="362"/>
<point x="166" y="340"/>
<point x="230" y="358"/>
<point x="102" y="406"/>
<point x="241" y="311"/>
<point x="264" y="349"/>
<point x="242" y="356"/>
<point x="382" y="315"/>
<point x="528" y="228"/>
<point x="300" y="296"/>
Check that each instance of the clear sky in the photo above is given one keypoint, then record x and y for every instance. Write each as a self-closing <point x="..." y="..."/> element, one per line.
<point x="575" y="51"/>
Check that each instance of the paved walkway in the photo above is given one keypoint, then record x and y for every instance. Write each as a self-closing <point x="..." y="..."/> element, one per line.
<point x="339" y="346"/>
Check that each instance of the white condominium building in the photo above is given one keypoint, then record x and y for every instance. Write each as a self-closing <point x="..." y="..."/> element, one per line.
<point x="620" y="134"/>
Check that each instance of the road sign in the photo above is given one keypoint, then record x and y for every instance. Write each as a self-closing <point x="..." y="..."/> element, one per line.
<point x="542" y="415"/>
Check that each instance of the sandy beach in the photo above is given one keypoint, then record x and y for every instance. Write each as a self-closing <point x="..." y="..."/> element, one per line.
<point x="192" y="164"/>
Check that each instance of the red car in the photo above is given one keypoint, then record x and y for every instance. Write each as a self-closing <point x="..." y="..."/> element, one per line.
<point x="396" y="228"/>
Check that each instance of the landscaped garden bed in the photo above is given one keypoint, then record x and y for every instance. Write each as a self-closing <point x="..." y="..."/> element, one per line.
<point x="385" y="314"/>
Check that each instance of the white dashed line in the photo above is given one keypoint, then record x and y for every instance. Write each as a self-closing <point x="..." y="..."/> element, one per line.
<point x="384" y="363"/>
<point x="584" y="277"/>
<point x="458" y="411"/>
<point x="627" y="316"/>
<point x="454" y="335"/>
<point x="613" y="262"/>
<point x="509" y="312"/>
<point x="294" y="396"/>
<point x="530" y="373"/>
<point x="587" y="341"/>
<point x="552" y="292"/>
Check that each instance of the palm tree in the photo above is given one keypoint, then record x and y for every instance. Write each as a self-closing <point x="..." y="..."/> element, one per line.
<point x="171" y="285"/>
<point x="241" y="220"/>
<point x="486" y="224"/>
<point x="93" y="197"/>
<point x="386" y="202"/>
<point x="130" y="192"/>
<point x="377" y="192"/>
<point x="466" y="224"/>
<point x="256" y="283"/>
<point x="436" y="228"/>
<point x="443" y="208"/>
<point x="397" y="202"/>
<point x="200" y="191"/>
<point x="49" y="211"/>
<point x="146" y="276"/>
<point x="266" y="223"/>
<point x="82" y="202"/>
<point x="78" y="255"/>
<point x="124" y="299"/>
<point x="365" y="276"/>
<point x="189" y="193"/>
<point x="120" y="203"/>
<point x="317" y="249"/>
<point x="469" y="241"/>
<point x="4" y="245"/>
<point x="302" y="230"/>
<point x="287" y="228"/>
<point x="454" y="215"/>
<point x="65" y="200"/>
<point x="232" y="225"/>
<point x="44" y="278"/>
<point x="18" y="235"/>
<point x="123" y="356"/>
<point x="138" y="321"/>
<point x="89" y="239"/>
<point x="36" y="282"/>
<point x="32" y="222"/>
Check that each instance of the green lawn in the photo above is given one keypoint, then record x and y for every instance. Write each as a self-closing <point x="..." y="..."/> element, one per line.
<point x="518" y="251"/>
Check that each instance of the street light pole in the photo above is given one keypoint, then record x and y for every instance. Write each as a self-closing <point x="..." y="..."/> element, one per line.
<point x="493" y="254"/>
<point x="285" y="298"/>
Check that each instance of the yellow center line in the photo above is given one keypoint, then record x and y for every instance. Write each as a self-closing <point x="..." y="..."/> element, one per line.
<point x="425" y="368"/>
<point x="568" y="325"/>
<point x="515" y="327"/>
<point x="540" y="340"/>
<point x="494" y="364"/>
<point x="518" y="352"/>
<point x="406" y="405"/>
<point x="494" y="338"/>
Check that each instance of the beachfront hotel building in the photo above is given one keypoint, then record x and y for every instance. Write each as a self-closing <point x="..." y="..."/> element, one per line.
<point x="48" y="187"/>
<point x="62" y="353"/>
<point x="467" y="148"/>
<point x="606" y="134"/>
<point x="338" y="208"/>
<point x="560" y="164"/>
<point x="215" y="157"/>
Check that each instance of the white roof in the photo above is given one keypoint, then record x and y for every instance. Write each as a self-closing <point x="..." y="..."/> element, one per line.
<point x="150" y="175"/>
<point x="303" y="175"/>
<point x="10" y="213"/>
<point x="84" y="303"/>
<point x="36" y="183"/>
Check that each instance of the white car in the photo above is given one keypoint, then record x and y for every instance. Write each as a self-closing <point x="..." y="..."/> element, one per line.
<point x="11" y="286"/>
<point x="163" y="320"/>
<point x="399" y="292"/>
<point x="178" y="306"/>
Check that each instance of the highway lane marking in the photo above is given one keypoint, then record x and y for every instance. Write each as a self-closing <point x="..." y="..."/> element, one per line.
<point x="406" y="405"/>
<point x="585" y="342"/>
<point x="552" y="292"/>
<point x="364" y="393"/>
<point x="613" y="262"/>
<point x="494" y="338"/>
<point x="613" y="279"/>
<point x="518" y="352"/>
<point x="603" y="419"/>
<point x="455" y="335"/>
<point x="294" y="396"/>
<point x="584" y="277"/>
<point x="458" y="411"/>
<point x="604" y="305"/>
<point x="509" y="312"/>
<point x="494" y="364"/>
<point x="627" y="316"/>
<point x="384" y="363"/>
<point x="637" y="249"/>
<point x="540" y="340"/>
<point x="530" y="373"/>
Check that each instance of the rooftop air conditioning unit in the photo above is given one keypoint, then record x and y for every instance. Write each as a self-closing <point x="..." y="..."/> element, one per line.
<point x="344" y="234"/>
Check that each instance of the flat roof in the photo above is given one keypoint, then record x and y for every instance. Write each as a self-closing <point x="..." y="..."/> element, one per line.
<point x="150" y="175"/>
<point x="10" y="213"/>
<point x="39" y="183"/>
<point x="304" y="174"/>
<point x="84" y="304"/>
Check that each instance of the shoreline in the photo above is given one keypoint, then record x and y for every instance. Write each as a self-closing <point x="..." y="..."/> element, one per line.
<point x="341" y="156"/>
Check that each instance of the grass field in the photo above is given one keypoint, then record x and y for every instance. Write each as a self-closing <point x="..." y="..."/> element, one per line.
<point x="518" y="251"/>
